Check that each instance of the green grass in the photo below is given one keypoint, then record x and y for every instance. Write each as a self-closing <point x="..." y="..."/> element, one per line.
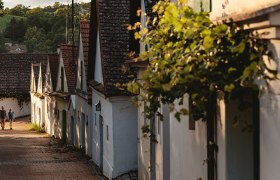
<point x="35" y="127"/>
<point x="5" y="19"/>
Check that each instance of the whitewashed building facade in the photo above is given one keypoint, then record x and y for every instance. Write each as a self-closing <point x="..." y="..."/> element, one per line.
<point x="51" y="121"/>
<point x="114" y="146"/>
<point x="65" y="87"/>
<point x="220" y="148"/>
<point x="82" y="122"/>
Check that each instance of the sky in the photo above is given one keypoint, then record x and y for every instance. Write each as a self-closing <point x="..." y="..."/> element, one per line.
<point x="35" y="3"/>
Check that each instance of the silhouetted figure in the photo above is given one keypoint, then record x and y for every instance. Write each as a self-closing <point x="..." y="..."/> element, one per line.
<point x="2" y="117"/>
<point x="11" y="117"/>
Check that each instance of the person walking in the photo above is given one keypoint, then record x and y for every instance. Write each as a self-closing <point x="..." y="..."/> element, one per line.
<point x="2" y="117"/>
<point x="11" y="118"/>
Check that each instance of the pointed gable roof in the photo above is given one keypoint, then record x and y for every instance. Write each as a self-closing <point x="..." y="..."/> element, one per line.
<point x="84" y="31"/>
<point x="35" y="70"/>
<point x="15" y="72"/>
<point x="111" y="19"/>
<point x="53" y="63"/>
<point x="43" y="74"/>
<point x="70" y="65"/>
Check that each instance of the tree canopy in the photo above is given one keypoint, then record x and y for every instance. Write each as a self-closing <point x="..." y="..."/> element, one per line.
<point x="50" y="22"/>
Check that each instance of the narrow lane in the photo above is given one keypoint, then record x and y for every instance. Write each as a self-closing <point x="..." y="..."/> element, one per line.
<point x="28" y="155"/>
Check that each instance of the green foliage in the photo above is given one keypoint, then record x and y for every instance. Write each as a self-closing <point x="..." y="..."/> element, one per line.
<point x="1" y="8"/>
<point x="190" y="54"/>
<point x="4" y="20"/>
<point x="2" y="44"/>
<point x="18" y="25"/>
<point x="36" y="40"/>
<point x="15" y="30"/>
<point x="35" y="127"/>
<point x="18" y="10"/>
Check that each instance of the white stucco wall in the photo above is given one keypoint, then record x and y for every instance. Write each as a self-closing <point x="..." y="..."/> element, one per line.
<point x="81" y="59"/>
<point x="239" y="144"/>
<point x="125" y="135"/>
<point x="221" y="138"/>
<point x="50" y="118"/>
<point x="71" y="113"/>
<point x="228" y="7"/>
<point x="120" y="149"/>
<point x="83" y="107"/>
<point x="61" y="105"/>
<point x="143" y="147"/>
<point x="12" y="103"/>
<point x="270" y="125"/>
<point x="108" y="146"/>
<point x="187" y="148"/>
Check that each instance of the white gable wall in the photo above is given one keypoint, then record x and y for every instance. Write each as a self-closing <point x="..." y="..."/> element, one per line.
<point x="58" y="85"/>
<point x="48" y="83"/>
<point x="98" y="67"/>
<point x="40" y="81"/>
<point x="81" y="59"/>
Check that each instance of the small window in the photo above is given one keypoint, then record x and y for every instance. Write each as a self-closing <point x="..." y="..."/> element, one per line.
<point x="107" y="132"/>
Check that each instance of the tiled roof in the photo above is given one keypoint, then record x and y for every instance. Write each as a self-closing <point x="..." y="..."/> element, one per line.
<point x="113" y="17"/>
<point x="84" y="30"/>
<point x="54" y="63"/>
<point x="70" y="65"/>
<point x="15" y="71"/>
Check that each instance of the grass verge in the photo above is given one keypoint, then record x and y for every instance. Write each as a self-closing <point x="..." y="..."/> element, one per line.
<point x="35" y="127"/>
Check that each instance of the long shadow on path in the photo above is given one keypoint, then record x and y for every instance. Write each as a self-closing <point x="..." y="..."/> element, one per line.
<point x="28" y="155"/>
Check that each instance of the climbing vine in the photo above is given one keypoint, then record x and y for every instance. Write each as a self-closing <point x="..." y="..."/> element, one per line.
<point x="188" y="53"/>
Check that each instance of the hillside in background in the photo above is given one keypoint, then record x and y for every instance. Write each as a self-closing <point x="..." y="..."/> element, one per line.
<point x="40" y="29"/>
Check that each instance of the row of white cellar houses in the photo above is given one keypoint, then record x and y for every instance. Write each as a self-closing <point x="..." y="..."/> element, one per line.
<point x="76" y="95"/>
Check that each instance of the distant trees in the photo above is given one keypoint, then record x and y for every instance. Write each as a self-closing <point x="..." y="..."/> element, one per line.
<point x="18" y="10"/>
<point x="1" y="8"/>
<point x="36" y="40"/>
<point x="15" y="30"/>
<point x="42" y="29"/>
